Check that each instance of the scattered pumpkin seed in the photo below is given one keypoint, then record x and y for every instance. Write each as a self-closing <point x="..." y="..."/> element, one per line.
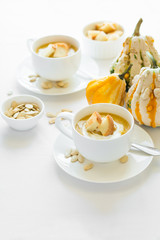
<point x="47" y="85"/>
<point x="88" y="166"/>
<point x="124" y="159"/>
<point x="50" y="115"/>
<point x="74" y="158"/>
<point x="80" y="158"/>
<point x="33" y="79"/>
<point x="52" y="120"/>
<point x="66" y="110"/>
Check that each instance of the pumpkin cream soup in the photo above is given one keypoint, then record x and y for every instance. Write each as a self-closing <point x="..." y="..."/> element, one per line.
<point x="102" y="126"/>
<point x="56" y="50"/>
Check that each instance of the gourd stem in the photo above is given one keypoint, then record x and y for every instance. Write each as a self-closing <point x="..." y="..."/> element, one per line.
<point x="152" y="60"/>
<point x="136" y="30"/>
<point x="121" y="76"/>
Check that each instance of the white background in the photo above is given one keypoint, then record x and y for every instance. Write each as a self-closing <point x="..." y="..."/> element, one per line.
<point x="37" y="199"/>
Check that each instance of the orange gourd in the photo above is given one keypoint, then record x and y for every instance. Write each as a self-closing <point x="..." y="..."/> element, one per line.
<point x="109" y="89"/>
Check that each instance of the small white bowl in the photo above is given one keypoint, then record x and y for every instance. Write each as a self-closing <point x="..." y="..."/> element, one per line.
<point x="102" y="49"/>
<point x="55" y="69"/>
<point x="22" y="124"/>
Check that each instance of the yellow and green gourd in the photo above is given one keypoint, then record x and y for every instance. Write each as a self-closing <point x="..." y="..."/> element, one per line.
<point x="109" y="89"/>
<point x="134" y="52"/>
<point x="143" y="98"/>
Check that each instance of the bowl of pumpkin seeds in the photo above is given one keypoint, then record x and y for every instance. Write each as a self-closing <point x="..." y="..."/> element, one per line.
<point x="22" y="112"/>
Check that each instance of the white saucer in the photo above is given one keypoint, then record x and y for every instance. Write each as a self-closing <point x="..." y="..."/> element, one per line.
<point x="77" y="83"/>
<point x="105" y="172"/>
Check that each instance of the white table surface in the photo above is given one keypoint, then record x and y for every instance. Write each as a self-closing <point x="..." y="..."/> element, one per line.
<point x="37" y="199"/>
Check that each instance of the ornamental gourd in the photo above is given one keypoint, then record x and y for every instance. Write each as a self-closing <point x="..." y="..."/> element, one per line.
<point x="143" y="98"/>
<point x="134" y="52"/>
<point x="110" y="89"/>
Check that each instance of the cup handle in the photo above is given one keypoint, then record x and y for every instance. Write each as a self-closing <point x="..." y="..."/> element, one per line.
<point x="29" y="43"/>
<point x="61" y="127"/>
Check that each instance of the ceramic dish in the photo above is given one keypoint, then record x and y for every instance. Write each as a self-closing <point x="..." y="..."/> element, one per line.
<point x="77" y="83"/>
<point x="22" y="124"/>
<point x="95" y="149"/>
<point x="105" y="172"/>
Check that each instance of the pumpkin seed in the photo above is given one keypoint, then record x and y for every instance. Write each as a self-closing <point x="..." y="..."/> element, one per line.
<point x="74" y="152"/>
<point x="124" y="159"/>
<point x="29" y="106"/>
<point x="66" y="110"/>
<point x="80" y="158"/>
<point x="50" y="115"/>
<point x="47" y="85"/>
<point x="74" y="158"/>
<point x="14" y="104"/>
<point x="66" y="85"/>
<point x="15" y="115"/>
<point x="88" y="166"/>
<point x="52" y="120"/>
<point x="60" y="83"/>
<point x="33" y="79"/>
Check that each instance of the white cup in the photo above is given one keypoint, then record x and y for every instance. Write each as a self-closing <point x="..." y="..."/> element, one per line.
<point x="55" y="69"/>
<point x="102" y="49"/>
<point x="96" y="150"/>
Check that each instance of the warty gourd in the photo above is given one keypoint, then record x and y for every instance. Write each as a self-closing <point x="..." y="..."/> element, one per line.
<point x="134" y="52"/>
<point x="143" y="98"/>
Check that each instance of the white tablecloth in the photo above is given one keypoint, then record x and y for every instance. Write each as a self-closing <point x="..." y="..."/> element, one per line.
<point x="37" y="199"/>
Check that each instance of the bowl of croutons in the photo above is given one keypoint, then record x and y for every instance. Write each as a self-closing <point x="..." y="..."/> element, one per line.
<point x="103" y="39"/>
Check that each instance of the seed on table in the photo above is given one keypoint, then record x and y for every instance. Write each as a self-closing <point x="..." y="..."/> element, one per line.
<point x="66" y="110"/>
<point x="33" y="79"/>
<point x="50" y="115"/>
<point x="88" y="166"/>
<point x="52" y="120"/>
<point x="74" y="158"/>
<point x="124" y="159"/>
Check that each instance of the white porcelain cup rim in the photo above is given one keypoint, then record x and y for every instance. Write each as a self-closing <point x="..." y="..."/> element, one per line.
<point x="31" y="41"/>
<point x="71" y="117"/>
